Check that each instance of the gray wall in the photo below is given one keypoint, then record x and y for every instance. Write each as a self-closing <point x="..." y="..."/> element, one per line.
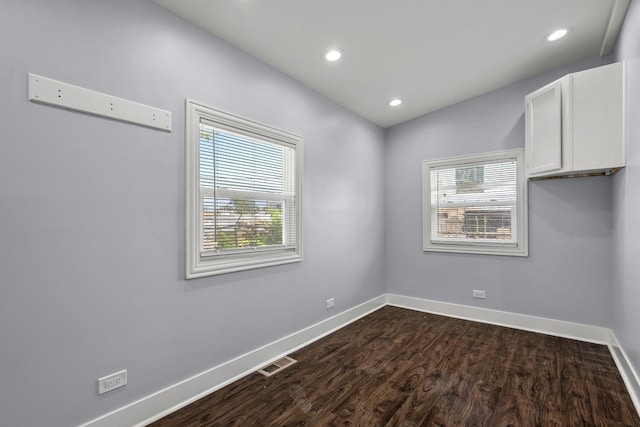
<point x="568" y="273"/>
<point x="92" y="211"/>
<point x="627" y="200"/>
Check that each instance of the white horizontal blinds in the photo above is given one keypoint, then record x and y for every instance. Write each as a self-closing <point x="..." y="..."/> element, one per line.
<point x="475" y="203"/>
<point x="243" y="164"/>
<point x="247" y="190"/>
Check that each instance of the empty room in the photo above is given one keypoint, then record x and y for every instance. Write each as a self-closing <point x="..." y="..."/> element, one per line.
<point x="285" y="213"/>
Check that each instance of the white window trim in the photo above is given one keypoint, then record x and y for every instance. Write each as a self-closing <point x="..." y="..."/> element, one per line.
<point x="200" y="265"/>
<point x="522" y="246"/>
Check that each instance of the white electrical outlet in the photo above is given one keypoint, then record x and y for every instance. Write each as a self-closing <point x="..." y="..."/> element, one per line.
<point x="331" y="303"/>
<point x="479" y="294"/>
<point x="112" y="382"/>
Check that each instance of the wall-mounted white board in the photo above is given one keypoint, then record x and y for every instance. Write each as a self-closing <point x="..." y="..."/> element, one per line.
<point x="52" y="92"/>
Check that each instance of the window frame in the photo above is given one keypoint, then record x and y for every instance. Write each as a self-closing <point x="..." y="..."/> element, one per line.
<point x="521" y="246"/>
<point x="199" y="264"/>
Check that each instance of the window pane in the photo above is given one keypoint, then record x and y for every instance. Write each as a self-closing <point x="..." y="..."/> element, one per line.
<point x="241" y="223"/>
<point x="235" y="162"/>
<point x="239" y="177"/>
<point x="474" y="223"/>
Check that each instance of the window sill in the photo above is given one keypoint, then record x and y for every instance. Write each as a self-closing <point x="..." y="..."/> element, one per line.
<point x="210" y="267"/>
<point x="478" y="249"/>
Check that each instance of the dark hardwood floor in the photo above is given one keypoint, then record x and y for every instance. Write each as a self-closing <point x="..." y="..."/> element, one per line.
<point x="398" y="367"/>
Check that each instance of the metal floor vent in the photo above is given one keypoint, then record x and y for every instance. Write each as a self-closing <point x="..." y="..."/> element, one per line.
<point x="276" y="366"/>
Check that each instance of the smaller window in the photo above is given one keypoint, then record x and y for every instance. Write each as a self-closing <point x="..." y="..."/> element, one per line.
<point x="243" y="182"/>
<point x="476" y="204"/>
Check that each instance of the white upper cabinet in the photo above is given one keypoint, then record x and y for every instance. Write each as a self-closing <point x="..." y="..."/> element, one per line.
<point x="575" y="125"/>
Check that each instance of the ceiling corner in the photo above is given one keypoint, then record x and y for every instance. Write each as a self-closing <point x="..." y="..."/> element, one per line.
<point x="618" y="12"/>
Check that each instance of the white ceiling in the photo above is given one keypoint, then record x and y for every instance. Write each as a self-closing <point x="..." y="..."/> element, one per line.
<point x="430" y="53"/>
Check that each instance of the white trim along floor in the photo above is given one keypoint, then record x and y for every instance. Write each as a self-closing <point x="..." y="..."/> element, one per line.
<point x="163" y="402"/>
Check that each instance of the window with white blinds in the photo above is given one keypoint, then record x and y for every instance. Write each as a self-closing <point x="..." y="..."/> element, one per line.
<point x="244" y="209"/>
<point x="476" y="204"/>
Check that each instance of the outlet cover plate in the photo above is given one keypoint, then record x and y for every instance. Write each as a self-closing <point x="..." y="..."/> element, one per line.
<point x="331" y="303"/>
<point x="112" y="382"/>
<point x="479" y="294"/>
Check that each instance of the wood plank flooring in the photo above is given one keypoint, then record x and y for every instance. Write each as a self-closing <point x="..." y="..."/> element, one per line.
<point x="399" y="367"/>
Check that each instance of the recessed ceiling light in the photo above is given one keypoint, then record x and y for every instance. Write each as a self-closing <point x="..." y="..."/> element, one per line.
<point x="333" y="55"/>
<point x="558" y="34"/>
<point x="394" y="102"/>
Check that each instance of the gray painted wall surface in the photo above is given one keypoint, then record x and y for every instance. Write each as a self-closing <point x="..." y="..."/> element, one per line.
<point x="92" y="215"/>
<point x="568" y="273"/>
<point x="627" y="200"/>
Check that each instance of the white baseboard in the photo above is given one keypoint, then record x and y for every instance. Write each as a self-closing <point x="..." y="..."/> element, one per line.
<point x="163" y="402"/>
<point x="628" y="374"/>
<point x="525" y="322"/>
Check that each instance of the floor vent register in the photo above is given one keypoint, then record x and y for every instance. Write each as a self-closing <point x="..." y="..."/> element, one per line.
<point x="276" y="366"/>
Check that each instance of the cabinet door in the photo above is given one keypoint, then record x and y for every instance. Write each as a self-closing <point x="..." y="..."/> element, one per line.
<point x="597" y="103"/>
<point x="543" y="129"/>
